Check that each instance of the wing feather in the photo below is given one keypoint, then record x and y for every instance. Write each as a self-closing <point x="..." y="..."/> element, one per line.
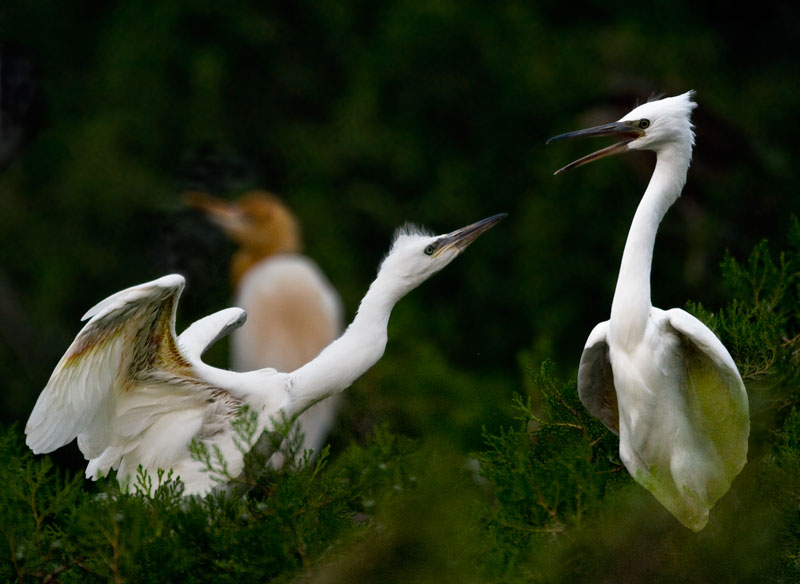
<point x="203" y="333"/>
<point x="705" y="340"/>
<point x="596" y="379"/>
<point x="716" y="394"/>
<point x="80" y="397"/>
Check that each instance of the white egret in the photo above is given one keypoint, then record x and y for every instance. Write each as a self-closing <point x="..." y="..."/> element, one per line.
<point x="293" y="311"/>
<point x="659" y="379"/>
<point x="135" y="394"/>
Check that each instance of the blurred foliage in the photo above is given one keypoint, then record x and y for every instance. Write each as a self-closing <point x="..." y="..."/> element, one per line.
<point x="549" y="472"/>
<point x="565" y="509"/>
<point x="362" y="116"/>
<point x="760" y="326"/>
<point x="545" y="500"/>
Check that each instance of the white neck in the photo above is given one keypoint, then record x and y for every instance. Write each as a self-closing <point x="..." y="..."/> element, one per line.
<point x="349" y="356"/>
<point x="630" y="309"/>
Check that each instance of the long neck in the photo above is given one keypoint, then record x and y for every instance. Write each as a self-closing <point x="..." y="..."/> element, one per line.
<point x="349" y="356"/>
<point x="631" y="306"/>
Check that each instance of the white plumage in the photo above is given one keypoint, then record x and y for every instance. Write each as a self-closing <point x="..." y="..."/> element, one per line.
<point x="135" y="394"/>
<point x="660" y="379"/>
<point x="293" y="311"/>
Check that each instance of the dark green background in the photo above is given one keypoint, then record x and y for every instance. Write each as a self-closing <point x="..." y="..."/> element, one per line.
<point x="364" y="115"/>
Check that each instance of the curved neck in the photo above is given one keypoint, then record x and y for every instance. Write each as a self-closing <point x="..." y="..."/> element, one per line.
<point x="630" y="308"/>
<point x="349" y="356"/>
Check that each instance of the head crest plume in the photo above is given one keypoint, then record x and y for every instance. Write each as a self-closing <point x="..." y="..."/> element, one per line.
<point x="408" y="230"/>
<point x="402" y="235"/>
<point x="673" y="113"/>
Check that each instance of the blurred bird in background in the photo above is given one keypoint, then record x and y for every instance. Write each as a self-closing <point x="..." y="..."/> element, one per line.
<point x="134" y="393"/>
<point x="661" y="380"/>
<point x="293" y="311"/>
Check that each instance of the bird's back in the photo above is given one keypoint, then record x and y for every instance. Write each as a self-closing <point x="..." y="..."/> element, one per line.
<point x="293" y="313"/>
<point x="683" y="411"/>
<point x="156" y="422"/>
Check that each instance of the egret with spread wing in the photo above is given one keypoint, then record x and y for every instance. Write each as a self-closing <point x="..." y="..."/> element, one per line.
<point x="293" y="311"/>
<point x="135" y="394"/>
<point x="661" y="380"/>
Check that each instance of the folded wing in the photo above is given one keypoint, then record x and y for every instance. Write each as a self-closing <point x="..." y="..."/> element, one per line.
<point x="716" y="396"/>
<point x="596" y="379"/>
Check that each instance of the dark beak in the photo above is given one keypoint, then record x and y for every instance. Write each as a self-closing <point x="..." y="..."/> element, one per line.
<point x="625" y="129"/>
<point x="461" y="238"/>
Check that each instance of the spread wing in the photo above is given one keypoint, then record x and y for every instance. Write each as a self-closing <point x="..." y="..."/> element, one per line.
<point x="596" y="380"/>
<point x="129" y="335"/>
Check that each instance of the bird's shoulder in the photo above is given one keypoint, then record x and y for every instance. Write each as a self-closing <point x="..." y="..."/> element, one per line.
<point x="282" y="267"/>
<point x="694" y="335"/>
<point x="289" y="278"/>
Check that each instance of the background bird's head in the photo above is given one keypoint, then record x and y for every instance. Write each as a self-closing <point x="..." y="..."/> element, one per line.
<point x="655" y="125"/>
<point x="416" y="255"/>
<point x="258" y="222"/>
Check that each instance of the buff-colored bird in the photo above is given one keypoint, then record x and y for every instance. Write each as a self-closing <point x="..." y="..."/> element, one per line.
<point x="293" y="311"/>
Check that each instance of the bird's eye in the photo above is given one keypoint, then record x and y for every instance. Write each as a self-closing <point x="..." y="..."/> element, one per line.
<point x="644" y="123"/>
<point x="429" y="250"/>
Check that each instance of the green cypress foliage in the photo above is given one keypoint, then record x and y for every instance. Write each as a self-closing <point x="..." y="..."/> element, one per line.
<point x="547" y="500"/>
<point x="567" y="511"/>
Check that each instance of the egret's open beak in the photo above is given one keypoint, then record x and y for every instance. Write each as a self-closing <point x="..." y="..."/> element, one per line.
<point x="224" y="213"/>
<point x="461" y="238"/>
<point x="627" y="130"/>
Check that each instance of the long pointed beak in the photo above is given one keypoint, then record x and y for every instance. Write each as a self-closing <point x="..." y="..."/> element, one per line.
<point x="625" y="129"/>
<point x="461" y="238"/>
<point x="224" y="213"/>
